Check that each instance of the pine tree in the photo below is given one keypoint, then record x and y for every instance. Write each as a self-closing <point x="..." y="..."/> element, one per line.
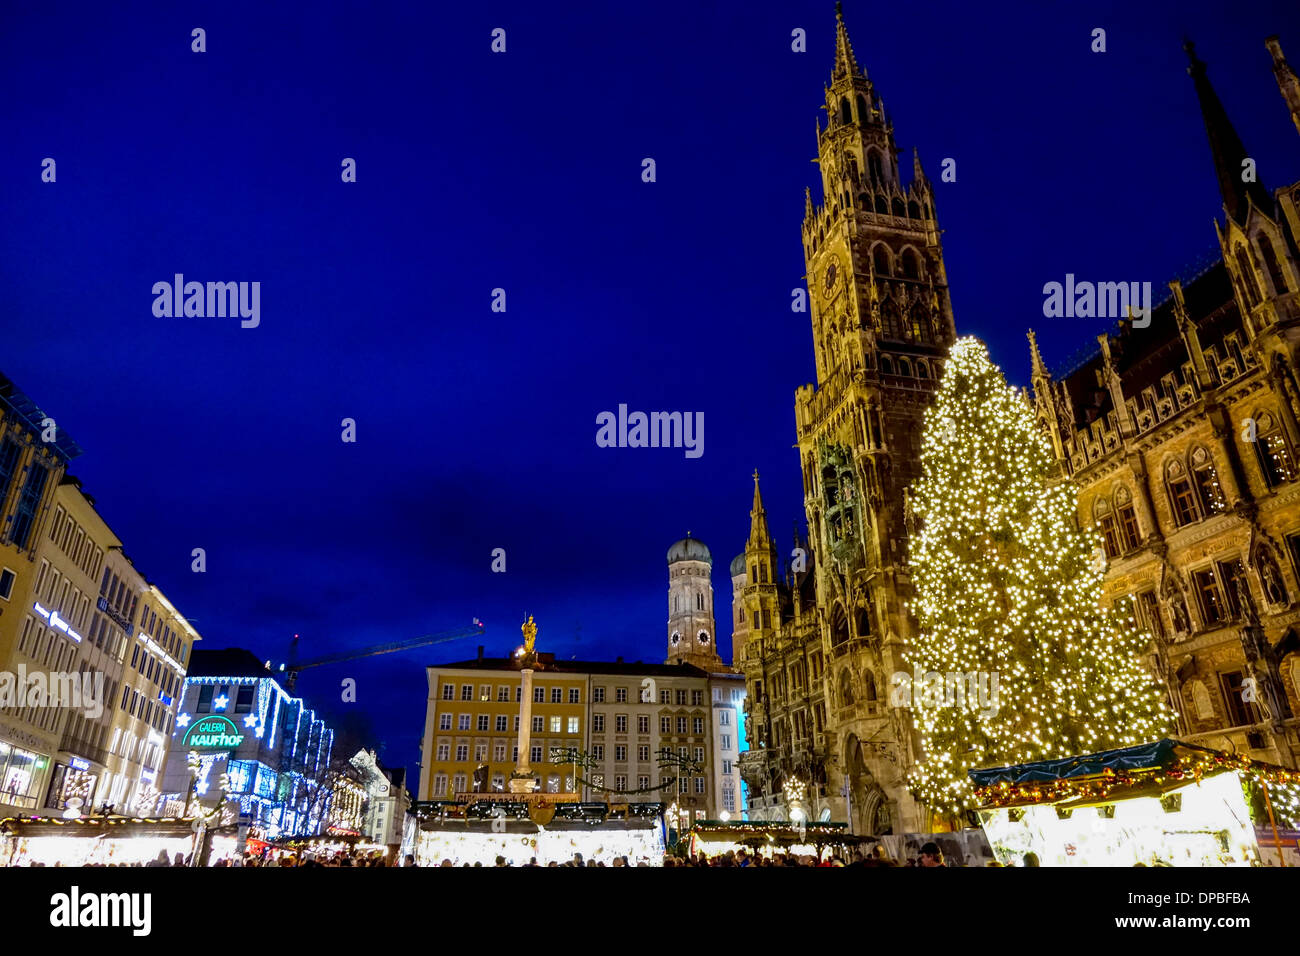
<point x="1008" y="586"/>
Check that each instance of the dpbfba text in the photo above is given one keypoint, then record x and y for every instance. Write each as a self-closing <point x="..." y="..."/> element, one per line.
<point x="76" y="909"/>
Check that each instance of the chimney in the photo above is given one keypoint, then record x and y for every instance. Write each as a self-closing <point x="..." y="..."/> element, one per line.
<point x="480" y="652"/>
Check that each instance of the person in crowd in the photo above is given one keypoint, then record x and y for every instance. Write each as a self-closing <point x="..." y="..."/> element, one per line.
<point x="931" y="855"/>
<point x="1031" y="859"/>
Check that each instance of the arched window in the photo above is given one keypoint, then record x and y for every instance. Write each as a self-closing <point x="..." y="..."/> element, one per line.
<point x="913" y="210"/>
<point x="1207" y="483"/>
<point x="1276" y="461"/>
<point x="905" y="367"/>
<point x="852" y="164"/>
<point x="911" y="264"/>
<point x="923" y="369"/>
<point x="1247" y="273"/>
<point x="1182" y="499"/>
<point x="699" y="602"/>
<point x="1126" y="519"/>
<point x="863" y="116"/>
<point x="440" y="785"/>
<point x="920" y="325"/>
<point x="869" y="687"/>
<point x="846" y="688"/>
<point x="839" y="626"/>
<point x="846" y="112"/>
<point x="882" y="207"/>
<point x="891" y="324"/>
<point x="1275" y="273"/>
<point x="880" y="260"/>
<point x="864" y="200"/>
<point x="1105" y="519"/>
<point x="875" y="169"/>
<point x="886" y="365"/>
<point x="898" y="209"/>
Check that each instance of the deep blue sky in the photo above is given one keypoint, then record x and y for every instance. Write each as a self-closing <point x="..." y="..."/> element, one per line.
<point x="522" y="171"/>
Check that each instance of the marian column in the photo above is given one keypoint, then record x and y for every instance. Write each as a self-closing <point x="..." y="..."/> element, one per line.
<point x="521" y="780"/>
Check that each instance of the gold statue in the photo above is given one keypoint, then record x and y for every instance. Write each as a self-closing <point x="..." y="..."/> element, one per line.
<point x="530" y="635"/>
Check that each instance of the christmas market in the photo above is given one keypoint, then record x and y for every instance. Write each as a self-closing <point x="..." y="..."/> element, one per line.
<point x="1165" y="803"/>
<point x="94" y="841"/>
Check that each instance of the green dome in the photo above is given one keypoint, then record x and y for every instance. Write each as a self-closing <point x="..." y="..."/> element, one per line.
<point x="738" y="564"/>
<point x="689" y="549"/>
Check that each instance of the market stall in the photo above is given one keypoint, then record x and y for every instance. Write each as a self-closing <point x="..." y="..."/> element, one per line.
<point x="93" y="841"/>
<point x="1160" y="804"/>
<point x="715" y="838"/>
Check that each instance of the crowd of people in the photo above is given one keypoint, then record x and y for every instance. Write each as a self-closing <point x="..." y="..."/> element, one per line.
<point x="931" y="855"/>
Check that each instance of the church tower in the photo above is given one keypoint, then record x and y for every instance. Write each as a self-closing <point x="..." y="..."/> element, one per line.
<point x="882" y="325"/>
<point x="692" y="634"/>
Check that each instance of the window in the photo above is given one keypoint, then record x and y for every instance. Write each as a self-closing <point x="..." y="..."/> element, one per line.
<point x="1109" y="529"/>
<point x="699" y="784"/>
<point x="6" y="583"/>
<point x="620" y="724"/>
<point x="499" y="753"/>
<point x="503" y="693"/>
<point x="597" y="723"/>
<point x="724" y="718"/>
<point x="539" y="695"/>
<point x="1240" y="712"/>
<point x="699" y="755"/>
<point x="1148" y="611"/>
<point x="440" y="785"/>
<point x="205" y="699"/>
<point x="681" y="698"/>
<point x="516" y="727"/>
<point x="535" y="754"/>
<point x="444" y="721"/>
<point x="598" y="751"/>
<point x="458" y="783"/>
<point x="643" y="723"/>
<point x="643" y="753"/>
<point x="729" y="799"/>
<point x="643" y="782"/>
<point x="557" y="695"/>
<point x="485" y="692"/>
<point x="697" y="698"/>
<point x="1207" y="483"/>
<point x="519" y="694"/>
<point x="555" y="725"/>
<point x="480" y="752"/>
<point x="620" y="753"/>
<point x="462" y="754"/>
<point x="1182" y="499"/>
<point x="498" y="781"/>
<point x="620" y="695"/>
<point x="726" y="741"/>
<point x="539" y="724"/>
<point x="598" y="695"/>
<point x="502" y="722"/>
<point x="1209" y="597"/>
<point x="681" y="725"/>
<point x="665" y="725"/>
<point x="1275" y="459"/>
<point x="573" y="725"/>
<point x="697" y="725"/>
<point x="467" y="692"/>
<point x="665" y="697"/>
<point x="1129" y="535"/>
<point x="482" y="722"/>
<point x="462" y="722"/>
<point x="1233" y="577"/>
<point x="444" y="751"/>
<point x="573" y="695"/>
<point x="726" y="768"/>
<point x="683" y="784"/>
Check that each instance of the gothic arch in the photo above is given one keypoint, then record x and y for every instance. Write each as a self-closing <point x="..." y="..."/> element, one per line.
<point x="897" y="208"/>
<point x="913" y="210"/>
<point x="881" y="259"/>
<point x="881" y="206"/>
<point x="912" y="265"/>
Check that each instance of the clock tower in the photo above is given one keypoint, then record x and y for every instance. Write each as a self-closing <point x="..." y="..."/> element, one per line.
<point x="882" y="325"/>
<point x="692" y="635"/>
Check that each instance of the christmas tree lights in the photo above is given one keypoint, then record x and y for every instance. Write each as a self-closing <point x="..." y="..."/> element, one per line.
<point x="1006" y="584"/>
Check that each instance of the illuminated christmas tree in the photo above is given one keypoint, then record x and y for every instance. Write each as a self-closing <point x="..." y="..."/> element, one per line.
<point x="1015" y="659"/>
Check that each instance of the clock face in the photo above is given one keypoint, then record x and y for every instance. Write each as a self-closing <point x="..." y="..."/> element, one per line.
<point x="676" y="639"/>
<point x="832" y="276"/>
<point x="703" y="638"/>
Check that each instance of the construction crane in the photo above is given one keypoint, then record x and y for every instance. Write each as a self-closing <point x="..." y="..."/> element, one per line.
<point x="295" y="666"/>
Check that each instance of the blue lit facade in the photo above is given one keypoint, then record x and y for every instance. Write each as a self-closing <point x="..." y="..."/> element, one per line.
<point x="276" y="756"/>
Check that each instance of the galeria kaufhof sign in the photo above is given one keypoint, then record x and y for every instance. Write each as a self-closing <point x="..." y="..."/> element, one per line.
<point x="213" y="733"/>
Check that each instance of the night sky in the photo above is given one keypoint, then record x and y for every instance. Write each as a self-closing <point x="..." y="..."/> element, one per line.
<point x="522" y="171"/>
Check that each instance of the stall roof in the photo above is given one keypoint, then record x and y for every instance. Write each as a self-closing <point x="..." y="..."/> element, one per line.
<point x="1153" y="756"/>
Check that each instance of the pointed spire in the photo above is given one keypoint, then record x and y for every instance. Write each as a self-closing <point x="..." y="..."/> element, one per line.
<point x="918" y="174"/>
<point x="758" y="533"/>
<point x="1287" y="81"/>
<point x="845" y="62"/>
<point x="1040" y="367"/>
<point x="1225" y="146"/>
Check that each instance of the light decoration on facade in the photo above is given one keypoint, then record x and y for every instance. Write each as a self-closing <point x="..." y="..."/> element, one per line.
<point x="156" y="649"/>
<point x="220" y="702"/>
<point x="1005" y="584"/>
<point x="182" y="720"/>
<point x="56" y="622"/>
<point x="250" y="720"/>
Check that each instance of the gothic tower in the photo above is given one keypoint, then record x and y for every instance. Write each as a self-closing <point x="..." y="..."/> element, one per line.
<point x="692" y="636"/>
<point x="882" y="325"/>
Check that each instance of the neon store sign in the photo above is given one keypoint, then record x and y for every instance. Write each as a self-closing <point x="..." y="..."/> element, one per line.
<point x="213" y="733"/>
